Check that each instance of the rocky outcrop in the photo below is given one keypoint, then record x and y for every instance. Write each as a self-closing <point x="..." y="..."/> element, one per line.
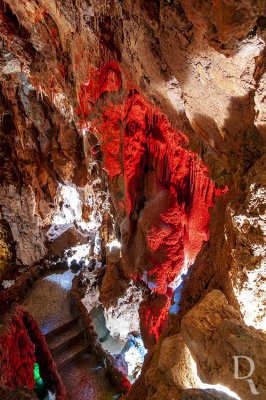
<point x="198" y="61"/>
<point x="101" y="91"/>
<point x="19" y="288"/>
<point x="245" y="231"/>
<point x="39" y="150"/>
<point x="215" y="334"/>
<point x="169" y="370"/>
<point x="233" y="259"/>
<point x="123" y="318"/>
<point x="202" y="354"/>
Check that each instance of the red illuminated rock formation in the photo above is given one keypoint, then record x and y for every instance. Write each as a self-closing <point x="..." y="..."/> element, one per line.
<point x="17" y="353"/>
<point x="48" y="369"/>
<point x="22" y="344"/>
<point x="117" y="79"/>
<point x="148" y="143"/>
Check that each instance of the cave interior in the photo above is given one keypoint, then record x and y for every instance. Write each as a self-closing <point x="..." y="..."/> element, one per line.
<point x="132" y="200"/>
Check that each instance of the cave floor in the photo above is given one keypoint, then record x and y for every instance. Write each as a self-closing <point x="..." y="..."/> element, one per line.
<point x="81" y="372"/>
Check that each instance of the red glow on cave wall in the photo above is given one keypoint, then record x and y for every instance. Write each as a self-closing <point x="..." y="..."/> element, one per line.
<point x="17" y="354"/>
<point x="153" y="318"/>
<point x="21" y="344"/>
<point x="8" y="24"/>
<point x="135" y="138"/>
<point x="108" y="79"/>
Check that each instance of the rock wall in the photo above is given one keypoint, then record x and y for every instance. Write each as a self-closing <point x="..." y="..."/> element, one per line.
<point x="17" y="353"/>
<point x="210" y="335"/>
<point x="7" y="251"/>
<point x="22" y="344"/>
<point x="203" y="65"/>
<point x="222" y="335"/>
<point x="40" y="149"/>
<point x="25" y="223"/>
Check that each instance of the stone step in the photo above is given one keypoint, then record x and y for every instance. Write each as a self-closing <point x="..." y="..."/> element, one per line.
<point x="62" y="328"/>
<point x="70" y="352"/>
<point x="69" y="335"/>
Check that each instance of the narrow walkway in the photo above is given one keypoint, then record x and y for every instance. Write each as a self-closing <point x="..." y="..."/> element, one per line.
<point x="48" y="301"/>
<point x="83" y="376"/>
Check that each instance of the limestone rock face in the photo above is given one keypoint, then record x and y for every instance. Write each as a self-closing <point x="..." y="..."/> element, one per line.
<point x="199" y="61"/>
<point x="233" y="260"/>
<point x="204" y="394"/>
<point x="245" y="231"/>
<point x="91" y="282"/>
<point x="167" y="373"/>
<point x="114" y="283"/>
<point x="203" y="64"/>
<point x="70" y="238"/>
<point x="176" y="364"/>
<point x="25" y="223"/>
<point x="215" y="333"/>
<point x="7" y="248"/>
<point x="31" y="161"/>
<point x="124" y="317"/>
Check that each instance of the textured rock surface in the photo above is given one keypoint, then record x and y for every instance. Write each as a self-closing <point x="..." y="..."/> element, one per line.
<point x="215" y="333"/>
<point x="207" y="394"/>
<point x="104" y="72"/>
<point x="21" y="393"/>
<point x="7" y="248"/>
<point x="175" y="362"/>
<point x="22" y="344"/>
<point x="245" y="231"/>
<point x="198" y="90"/>
<point x="17" y="353"/>
<point x="25" y="223"/>
<point x="200" y="62"/>
<point x="233" y="259"/>
<point x="168" y="371"/>
<point x="124" y="317"/>
<point x="180" y="61"/>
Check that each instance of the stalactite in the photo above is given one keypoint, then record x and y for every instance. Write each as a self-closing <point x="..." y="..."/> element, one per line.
<point x="149" y="139"/>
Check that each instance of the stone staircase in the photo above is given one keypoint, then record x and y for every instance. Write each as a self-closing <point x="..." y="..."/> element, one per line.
<point x="67" y="342"/>
<point x="82" y="374"/>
